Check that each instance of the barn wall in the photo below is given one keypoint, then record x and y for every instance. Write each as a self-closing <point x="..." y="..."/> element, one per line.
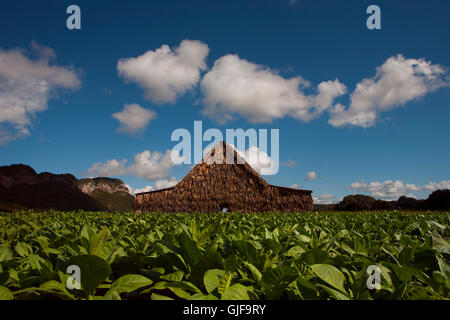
<point x="210" y="185"/>
<point x="271" y="200"/>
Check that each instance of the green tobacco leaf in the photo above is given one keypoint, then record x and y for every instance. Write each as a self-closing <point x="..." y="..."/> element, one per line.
<point x="295" y="252"/>
<point x="175" y="276"/>
<point x="56" y="288"/>
<point x="331" y="275"/>
<point x="236" y="292"/>
<point x="315" y="256"/>
<point x="5" y="294"/>
<point x="130" y="282"/>
<point x="406" y="256"/>
<point x="334" y="293"/>
<point x="278" y="276"/>
<point x="112" y="295"/>
<point x="199" y="296"/>
<point x="211" y="279"/>
<point x="23" y="249"/>
<point x="4" y="276"/>
<point x="87" y="234"/>
<point x="156" y="296"/>
<point x="98" y="241"/>
<point x="189" y="249"/>
<point x="225" y="282"/>
<point x="40" y="264"/>
<point x="255" y="272"/>
<point x="247" y="250"/>
<point x="441" y="245"/>
<point x="94" y="270"/>
<point x="5" y="253"/>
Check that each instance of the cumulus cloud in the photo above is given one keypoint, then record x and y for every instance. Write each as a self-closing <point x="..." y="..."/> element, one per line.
<point x="392" y="190"/>
<point x="431" y="186"/>
<point x="26" y="86"/>
<point x="144" y="189"/>
<point x="165" y="183"/>
<point x="147" y="165"/>
<point x="387" y="190"/>
<point x="290" y="164"/>
<point x="311" y="175"/>
<point x="133" y="118"/>
<point x="395" y="83"/>
<point x="165" y="74"/>
<point x="324" y="199"/>
<point x="259" y="94"/>
<point x="257" y="159"/>
<point x="159" y="184"/>
<point x="294" y="186"/>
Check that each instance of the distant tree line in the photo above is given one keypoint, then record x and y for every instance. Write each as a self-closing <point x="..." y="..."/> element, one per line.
<point x="438" y="200"/>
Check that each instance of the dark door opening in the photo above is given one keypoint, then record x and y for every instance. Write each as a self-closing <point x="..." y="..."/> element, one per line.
<point x="224" y="207"/>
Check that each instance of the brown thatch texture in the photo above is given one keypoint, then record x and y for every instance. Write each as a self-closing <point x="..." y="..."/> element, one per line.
<point x="214" y="184"/>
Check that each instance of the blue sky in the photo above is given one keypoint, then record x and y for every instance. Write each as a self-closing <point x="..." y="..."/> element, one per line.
<point x="387" y="138"/>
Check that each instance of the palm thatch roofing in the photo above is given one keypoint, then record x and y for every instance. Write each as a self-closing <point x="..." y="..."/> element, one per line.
<point x="223" y="180"/>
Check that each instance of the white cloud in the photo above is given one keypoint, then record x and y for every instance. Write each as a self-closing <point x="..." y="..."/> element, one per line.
<point x="26" y="86"/>
<point x="133" y="118"/>
<point x="387" y="190"/>
<point x="431" y="186"/>
<point x="130" y="189"/>
<point x="147" y="165"/>
<point x="257" y="159"/>
<point x="165" y="74"/>
<point x="311" y="175"/>
<point x="165" y="183"/>
<point x="324" y="199"/>
<point x="294" y="186"/>
<point x="395" y="83"/>
<point x="290" y="164"/>
<point x="159" y="184"/>
<point x="392" y="190"/>
<point x="144" y="189"/>
<point x="237" y="86"/>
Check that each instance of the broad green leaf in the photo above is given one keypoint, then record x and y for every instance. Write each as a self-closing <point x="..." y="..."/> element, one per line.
<point x="112" y="295"/>
<point x="4" y="276"/>
<point x="295" y="252"/>
<point x="156" y="296"/>
<point x="255" y="272"/>
<point x="211" y="279"/>
<point x="175" y="276"/>
<point x="334" y="293"/>
<point x="315" y="256"/>
<point x="98" y="241"/>
<point x="23" y="249"/>
<point x="199" y="296"/>
<point x="330" y="274"/>
<point x="247" y="250"/>
<point x="87" y="234"/>
<point x="94" y="270"/>
<point x="236" y="292"/>
<point x="56" y="288"/>
<point x="278" y="276"/>
<point x="5" y="253"/>
<point x="189" y="249"/>
<point x="130" y="282"/>
<point x="5" y="294"/>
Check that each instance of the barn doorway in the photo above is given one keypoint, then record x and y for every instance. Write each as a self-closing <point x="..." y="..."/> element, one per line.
<point x="224" y="207"/>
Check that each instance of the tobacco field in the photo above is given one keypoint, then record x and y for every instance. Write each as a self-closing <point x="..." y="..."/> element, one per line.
<point x="223" y="256"/>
